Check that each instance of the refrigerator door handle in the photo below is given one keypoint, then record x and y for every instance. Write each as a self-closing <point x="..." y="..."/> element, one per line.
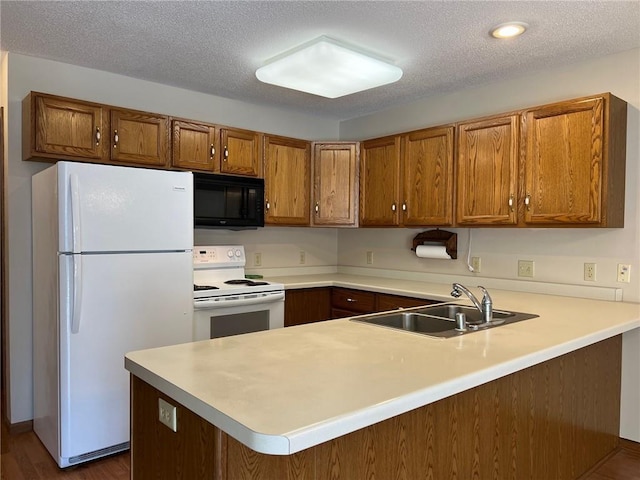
<point x="77" y="293"/>
<point x="75" y="213"/>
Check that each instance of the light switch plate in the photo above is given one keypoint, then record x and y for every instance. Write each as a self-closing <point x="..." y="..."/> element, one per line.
<point x="526" y="268"/>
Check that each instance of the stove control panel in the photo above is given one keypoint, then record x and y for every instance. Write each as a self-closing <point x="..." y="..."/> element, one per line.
<point x="218" y="255"/>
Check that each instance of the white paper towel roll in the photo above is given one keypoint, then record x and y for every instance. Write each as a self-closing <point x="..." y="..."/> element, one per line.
<point x="432" y="251"/>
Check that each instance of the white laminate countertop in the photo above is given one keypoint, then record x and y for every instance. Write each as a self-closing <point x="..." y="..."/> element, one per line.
<point x="284" y="390"/>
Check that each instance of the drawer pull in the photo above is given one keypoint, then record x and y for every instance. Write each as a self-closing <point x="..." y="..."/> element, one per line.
<point x="350" y="300"/>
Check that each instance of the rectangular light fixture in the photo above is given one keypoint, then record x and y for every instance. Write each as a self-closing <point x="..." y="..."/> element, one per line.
<point x="327" y="68"/>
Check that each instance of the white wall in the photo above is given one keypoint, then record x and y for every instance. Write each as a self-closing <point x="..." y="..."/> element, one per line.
<point x="559" y="254"/>
<point x="29" y="73"/>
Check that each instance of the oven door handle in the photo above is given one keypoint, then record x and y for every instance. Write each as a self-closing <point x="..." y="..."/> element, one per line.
<point x="238" y="301"/>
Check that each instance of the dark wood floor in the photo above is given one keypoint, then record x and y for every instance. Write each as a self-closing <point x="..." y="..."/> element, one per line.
<point x="25" y="458"/>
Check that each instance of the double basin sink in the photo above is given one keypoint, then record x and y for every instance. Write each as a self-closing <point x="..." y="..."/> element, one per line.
<point x="440" y="320"/>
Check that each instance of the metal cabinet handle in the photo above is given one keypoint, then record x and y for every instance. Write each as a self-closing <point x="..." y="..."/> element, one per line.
<point x="116" y="139"/>
<point x="527" y="201"/>
<point x="212" y="151"/>
<point x="404" y="207"/>
<point x="511" y="202"/>
<point x="225" y="154"/>
<point x="351" y="300"/>
<point x="393" y="207"/>
<point x="268" y="206"/>
<point x="317" y="208"/>
<point x="98" y="135"/>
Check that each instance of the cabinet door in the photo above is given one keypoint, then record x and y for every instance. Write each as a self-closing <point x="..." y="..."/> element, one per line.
<point x="194" y="146"/>
<point x="379" y="182"/>
<point x="564" y="163"/>
<point x="335" y="184"/>
<point x="240" y="152"/>
<point x="427" y="177"/>
<point x="139" y="138"/>
<point x="487" y="171"/>
<point x="287" y="178"/>
<point x="58" y="127"/>
<point x="307" y="305"/>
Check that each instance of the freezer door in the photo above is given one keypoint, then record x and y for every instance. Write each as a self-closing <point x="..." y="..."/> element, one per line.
<point x="104" y="208"/>
<point x="127" y="302"/>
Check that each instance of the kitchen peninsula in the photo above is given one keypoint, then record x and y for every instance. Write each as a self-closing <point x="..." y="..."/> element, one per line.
<point x="345" y="400"/>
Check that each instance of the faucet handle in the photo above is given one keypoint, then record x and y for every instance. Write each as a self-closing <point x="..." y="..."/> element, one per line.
<point x="455" y="293"/>
<point x="485" y="294"/>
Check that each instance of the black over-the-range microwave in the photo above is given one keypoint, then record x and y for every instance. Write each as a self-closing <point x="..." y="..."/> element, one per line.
<point x="226" y="201"/>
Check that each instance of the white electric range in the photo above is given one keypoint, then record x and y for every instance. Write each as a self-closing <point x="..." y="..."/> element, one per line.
<point x="225" y="302"/>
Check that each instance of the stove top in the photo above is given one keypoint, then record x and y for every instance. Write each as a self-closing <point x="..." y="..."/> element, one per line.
<point x="219" y="271"/>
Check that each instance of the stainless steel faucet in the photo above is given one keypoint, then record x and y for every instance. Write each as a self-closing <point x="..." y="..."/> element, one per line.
<point x="485" y="306"/>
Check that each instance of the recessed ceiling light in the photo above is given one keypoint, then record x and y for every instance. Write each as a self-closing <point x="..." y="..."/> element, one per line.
<point x="509" y="29"/>
<point x="327" y="68"/>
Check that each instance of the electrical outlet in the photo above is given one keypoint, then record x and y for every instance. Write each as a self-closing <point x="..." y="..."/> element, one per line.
<point x="526" y="268"/>
<point x="590" y="272"/>
<point x="476" y="264"/>
<point x="303" y="257"/>
<point x="257" y="259"/>
<point x="167" y="414"/>
<point x="624" y="273"/>
<point x="369" y="258"/>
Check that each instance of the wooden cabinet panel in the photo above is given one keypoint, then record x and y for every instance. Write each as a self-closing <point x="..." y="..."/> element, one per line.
<point x="353" y="300"/>
<point x="139" y="138"/>
<point x="379" y="182"/>
<point x="335" y="184"/>
<point x="385" y="302"/>
<point x="487" y="171"/>
<point x="569" y="164"/>
<point x="553" y="420"/>
<point x="427" y="177"/>
<point x="307" y="305"/>
<point x="194" y="146"/>
<point x="241" y="152"/>
<point x="287" y="178"/>
<point x="62" y="128"/>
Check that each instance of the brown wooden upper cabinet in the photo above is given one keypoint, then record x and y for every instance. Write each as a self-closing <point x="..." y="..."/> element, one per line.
<point x="335" y="184"/>
<point x="240" y="152"/>
<point x="57" y="128"/>
<point x="487" y="171"/>
<point x="427" y="177"/>
<point x="379" y="182"/>
<point x="574" y="162"/>
<point x="407" y="180"/>
<point x="62" y="128"/>
<point x="555" y="165"/>
<point x="287" y="178"/>
<point x="139" y="138"/>
<point x="195" y="146"/>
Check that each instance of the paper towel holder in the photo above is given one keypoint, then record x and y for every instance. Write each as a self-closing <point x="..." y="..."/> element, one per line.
<point x="438" y="237"/>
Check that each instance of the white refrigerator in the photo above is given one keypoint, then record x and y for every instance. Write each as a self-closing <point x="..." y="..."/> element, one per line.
<point x="112" y="273"/>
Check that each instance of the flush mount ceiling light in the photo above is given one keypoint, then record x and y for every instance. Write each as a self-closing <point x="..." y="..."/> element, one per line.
<point x="327" y="68"/>
<point x="508" y="30"/>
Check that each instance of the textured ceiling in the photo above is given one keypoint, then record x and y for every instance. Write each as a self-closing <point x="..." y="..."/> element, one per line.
<point x="215" y="46"/>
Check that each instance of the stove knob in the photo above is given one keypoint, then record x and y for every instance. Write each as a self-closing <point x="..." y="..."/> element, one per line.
<point x="230" y="253"/>
<point x="238" y="253"/>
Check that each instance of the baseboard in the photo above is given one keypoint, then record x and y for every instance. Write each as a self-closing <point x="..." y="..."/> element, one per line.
<point x="20" y="427"/>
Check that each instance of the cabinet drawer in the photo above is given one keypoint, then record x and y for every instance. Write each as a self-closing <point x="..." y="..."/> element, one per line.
<point x="353" y="300"/>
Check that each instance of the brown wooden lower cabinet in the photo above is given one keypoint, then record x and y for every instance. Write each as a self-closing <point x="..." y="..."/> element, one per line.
<point x="307" y="305"/>
<point x="554" y="420"/>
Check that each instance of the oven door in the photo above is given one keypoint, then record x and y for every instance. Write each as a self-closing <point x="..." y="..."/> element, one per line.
<point x="226" y="316"/>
